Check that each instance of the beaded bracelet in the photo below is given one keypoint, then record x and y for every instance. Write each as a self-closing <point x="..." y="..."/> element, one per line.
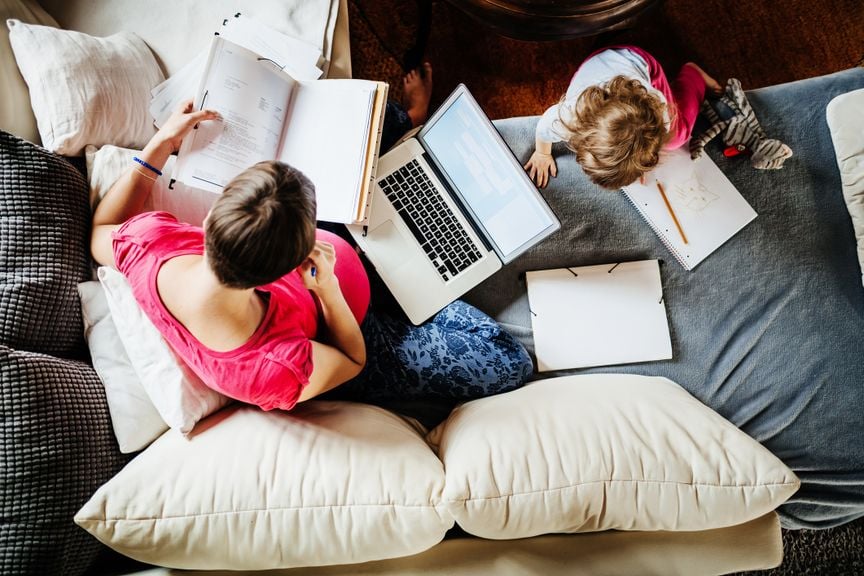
<point x="146" y="165"/>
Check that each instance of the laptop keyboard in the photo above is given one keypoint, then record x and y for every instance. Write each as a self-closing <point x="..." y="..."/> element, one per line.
<point x="433" y="224"/>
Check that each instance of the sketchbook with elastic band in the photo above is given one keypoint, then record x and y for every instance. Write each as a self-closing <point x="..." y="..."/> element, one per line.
<point x="598" y="315"/>
<point x="691" y="206"/>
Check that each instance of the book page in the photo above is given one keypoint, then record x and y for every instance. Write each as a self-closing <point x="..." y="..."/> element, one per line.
<point x="251" y="95"/>
<point x="326" y="136"/>
<point x="708" y="208"/>
<point x="598" y="315"/>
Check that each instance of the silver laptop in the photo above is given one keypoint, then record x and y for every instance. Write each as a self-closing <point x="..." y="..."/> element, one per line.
<point x="451" y="205"/>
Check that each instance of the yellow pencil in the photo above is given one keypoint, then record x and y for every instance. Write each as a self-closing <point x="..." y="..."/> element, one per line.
<point x="671" y="212"/>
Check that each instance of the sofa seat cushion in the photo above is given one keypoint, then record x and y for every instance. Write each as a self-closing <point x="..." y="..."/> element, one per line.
<point x="845" y="115"/>
<point x="56" y="449"/>
<point x="327" y="483"/>
<point x="602" y="452"/>
<point x="44" y="249"/>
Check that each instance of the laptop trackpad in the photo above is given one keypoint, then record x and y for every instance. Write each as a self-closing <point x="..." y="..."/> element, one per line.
<point x="387" y="246"/>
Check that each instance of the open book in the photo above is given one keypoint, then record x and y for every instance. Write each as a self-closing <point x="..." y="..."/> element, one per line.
<point x="328" y="129"/>
<point x="690" y="205"/>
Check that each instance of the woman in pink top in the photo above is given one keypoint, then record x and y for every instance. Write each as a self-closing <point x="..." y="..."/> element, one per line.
<point x="239" y="300"/>
<point x="618" y="113"/>
<point x="268" y="310"/>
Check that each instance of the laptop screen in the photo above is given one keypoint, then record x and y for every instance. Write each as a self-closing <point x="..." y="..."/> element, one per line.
<point x="485" y="175"/>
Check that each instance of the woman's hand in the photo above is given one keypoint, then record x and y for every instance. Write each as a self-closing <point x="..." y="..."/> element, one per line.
<point x="317" y="270"/>
<point x="540" y="166"/>
<point x="180" y="123"/>
<point x="338" y="351"/>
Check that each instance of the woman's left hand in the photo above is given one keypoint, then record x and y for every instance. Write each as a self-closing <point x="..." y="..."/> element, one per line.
<point x="317" y="270"/>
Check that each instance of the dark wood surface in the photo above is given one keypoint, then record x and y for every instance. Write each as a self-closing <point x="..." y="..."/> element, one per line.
<point x="554" y="19"/>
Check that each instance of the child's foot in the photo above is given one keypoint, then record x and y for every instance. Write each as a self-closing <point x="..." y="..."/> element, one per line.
<point x="710" y="82"/>
<point x="417" y="91"/>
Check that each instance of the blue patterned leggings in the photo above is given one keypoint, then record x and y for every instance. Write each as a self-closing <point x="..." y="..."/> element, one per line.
<point x="458" y="355"/>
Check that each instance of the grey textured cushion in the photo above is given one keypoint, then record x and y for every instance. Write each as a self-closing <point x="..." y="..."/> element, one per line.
<point x="56" y="448"/>
<point x="767" y="330"/>
<point x="44" y="249"/>
<point x="56" y="442"/>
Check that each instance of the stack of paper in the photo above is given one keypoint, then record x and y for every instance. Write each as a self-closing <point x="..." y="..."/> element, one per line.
<point x="296" y="57"/>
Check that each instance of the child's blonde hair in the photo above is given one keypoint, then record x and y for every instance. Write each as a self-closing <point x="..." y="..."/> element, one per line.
<point x="618" y="130"/>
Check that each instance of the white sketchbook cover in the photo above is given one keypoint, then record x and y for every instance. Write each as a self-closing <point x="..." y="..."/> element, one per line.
<point x="598" y="315"/>
<point x="708" y="207"/>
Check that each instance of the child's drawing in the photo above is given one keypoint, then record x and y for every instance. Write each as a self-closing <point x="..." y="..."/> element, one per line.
<point x="692" y="194"/>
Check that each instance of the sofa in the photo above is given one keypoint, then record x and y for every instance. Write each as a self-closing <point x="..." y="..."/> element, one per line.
<point x="686" y="466"/>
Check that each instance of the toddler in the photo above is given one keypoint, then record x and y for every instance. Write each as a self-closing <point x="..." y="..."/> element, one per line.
<point x="619" y="112"/>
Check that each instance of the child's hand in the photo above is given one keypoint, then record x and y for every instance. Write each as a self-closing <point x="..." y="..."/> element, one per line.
<point x="710" y="82"/>
<point x="540" y="166"/>
<point x="317" y="270"/>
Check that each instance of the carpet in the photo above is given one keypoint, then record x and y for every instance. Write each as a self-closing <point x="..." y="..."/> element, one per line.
<point x="760" y="43"/>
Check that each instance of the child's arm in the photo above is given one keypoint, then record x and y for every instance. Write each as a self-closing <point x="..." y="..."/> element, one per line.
<point x="541" y="164"/>
<point x="689" y="90"/>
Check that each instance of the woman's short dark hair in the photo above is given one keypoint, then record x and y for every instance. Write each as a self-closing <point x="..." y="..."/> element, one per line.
<point x="262" y="226"/>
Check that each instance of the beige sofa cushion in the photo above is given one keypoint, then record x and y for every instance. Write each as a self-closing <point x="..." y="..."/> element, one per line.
<point x="602" y="452"/>
<point x="16" y="116"/>
<point x="328" y="483"/>
<point x="86" y="90"/>
<point x="757" y="545"/>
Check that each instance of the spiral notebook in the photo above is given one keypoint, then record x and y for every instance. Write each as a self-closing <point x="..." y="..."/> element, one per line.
<point x="690" y="205"/>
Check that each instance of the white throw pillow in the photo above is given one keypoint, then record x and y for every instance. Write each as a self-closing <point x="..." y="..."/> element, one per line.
<point x="602" y="452"/>
<point x="86" y="90"/>
<point x="135" y="420"/>
<point x="178" y="394"/>
<point x="16" y="114"/>
<point x="327" y="483"/>
<point x="845" y="115"/>
<point x="106" y="164"/>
